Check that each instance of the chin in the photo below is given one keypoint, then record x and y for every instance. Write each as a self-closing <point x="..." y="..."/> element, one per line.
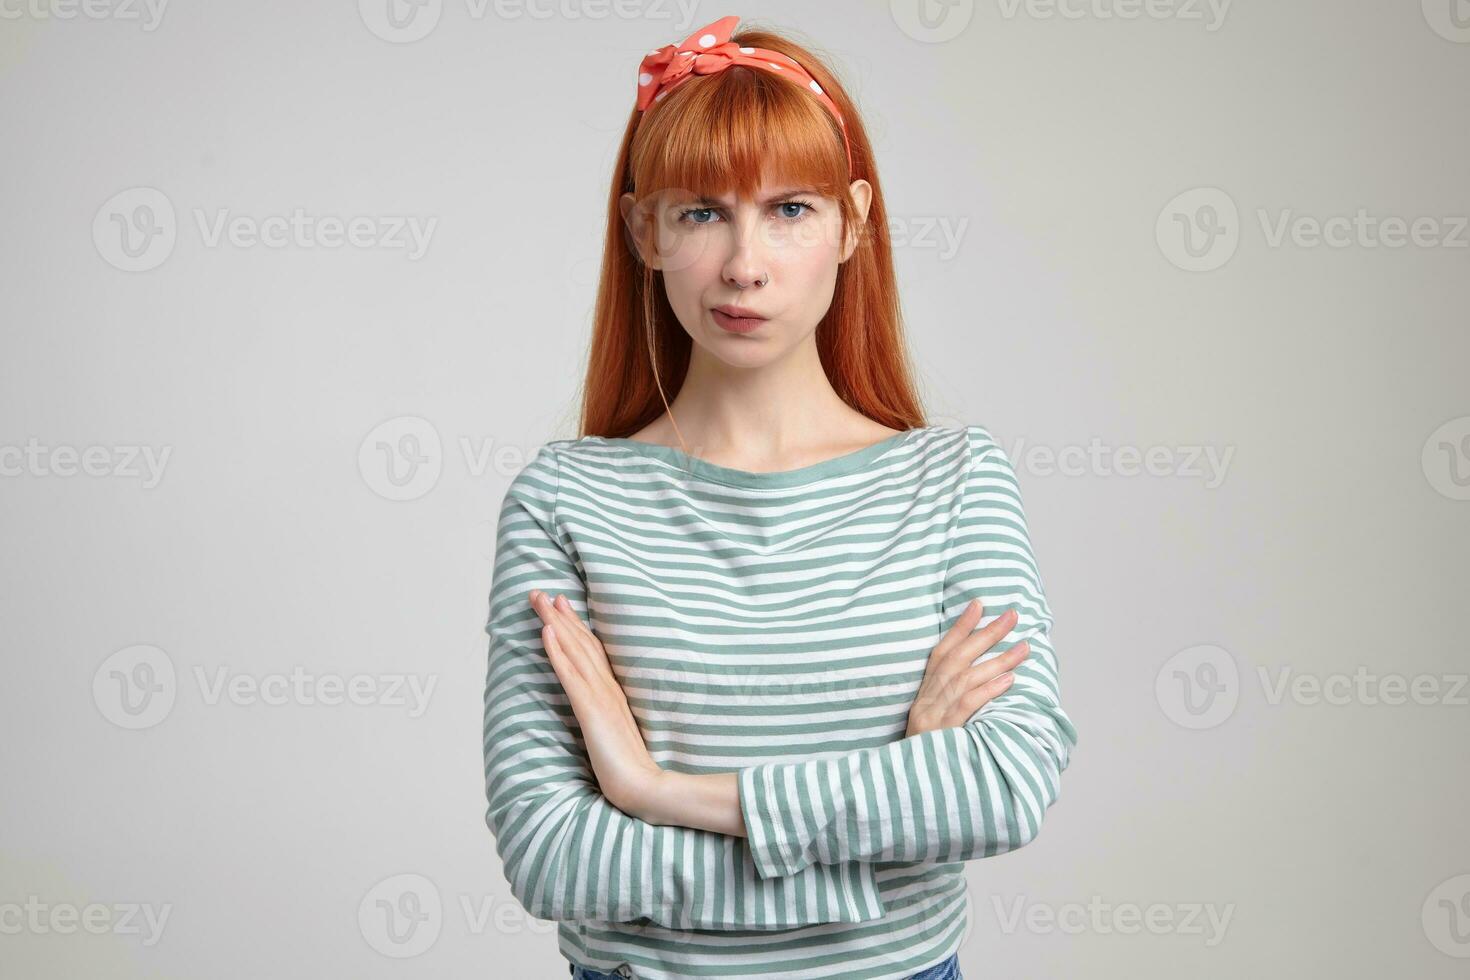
<point x="746" y="352"/>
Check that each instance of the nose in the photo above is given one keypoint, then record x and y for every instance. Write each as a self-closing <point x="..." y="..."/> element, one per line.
<point x="748" y="263"/>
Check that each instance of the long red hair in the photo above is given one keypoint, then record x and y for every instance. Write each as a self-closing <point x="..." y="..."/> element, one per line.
<point x="725" y="132"/>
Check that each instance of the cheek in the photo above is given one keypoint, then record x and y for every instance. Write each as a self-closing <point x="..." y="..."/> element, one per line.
<point x="809" y="270"/>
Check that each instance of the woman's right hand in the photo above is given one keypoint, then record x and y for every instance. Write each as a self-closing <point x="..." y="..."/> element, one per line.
<point x="954" y="686"/>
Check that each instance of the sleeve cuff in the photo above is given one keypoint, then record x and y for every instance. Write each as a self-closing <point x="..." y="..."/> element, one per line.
<point x="767" y="841"/>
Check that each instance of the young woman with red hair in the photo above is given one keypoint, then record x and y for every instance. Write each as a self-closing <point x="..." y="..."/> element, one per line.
<point x="750" y="705"/>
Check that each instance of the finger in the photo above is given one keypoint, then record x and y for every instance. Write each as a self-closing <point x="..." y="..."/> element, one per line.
<point x="567" y="670"/>
<point x="565" y="605"/>
<point x="550" y="612"/>
<point x="969" y="617"/>
<point x="983" y="639"/>
<point x="560" y="608"/>
<point x="550" y="615"/>
<point x="579" y="640"/>
<point x="983" y="695"/>
<point x="986" y="670"/>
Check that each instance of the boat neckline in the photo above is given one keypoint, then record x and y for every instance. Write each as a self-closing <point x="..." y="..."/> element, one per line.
<point x="836" y="466"/>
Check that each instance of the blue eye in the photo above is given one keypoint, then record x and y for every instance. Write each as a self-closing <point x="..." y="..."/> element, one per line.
<point x="684" y="215"/>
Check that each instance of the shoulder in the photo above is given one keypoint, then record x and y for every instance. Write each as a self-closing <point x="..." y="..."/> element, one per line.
<point x="535" y="485"/>
<point x="990" y="471"/>
<point x="981" y="445"/>
<point x="558" y="466"/>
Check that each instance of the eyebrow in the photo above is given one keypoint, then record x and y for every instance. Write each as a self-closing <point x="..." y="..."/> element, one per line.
<point x="704" y="201"/>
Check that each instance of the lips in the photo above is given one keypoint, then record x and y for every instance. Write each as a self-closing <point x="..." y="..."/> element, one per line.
<point x="738" y="312"/>
<point x="737" y="319"/>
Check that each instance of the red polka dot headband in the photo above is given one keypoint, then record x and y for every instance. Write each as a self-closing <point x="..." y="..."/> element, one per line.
<point x="709" y="50"/>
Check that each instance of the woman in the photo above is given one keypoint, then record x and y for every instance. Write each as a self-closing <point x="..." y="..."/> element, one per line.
<point x="749" y="708"/>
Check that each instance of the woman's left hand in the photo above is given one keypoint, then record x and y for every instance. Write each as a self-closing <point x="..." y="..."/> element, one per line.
<point x="625" y="771"/>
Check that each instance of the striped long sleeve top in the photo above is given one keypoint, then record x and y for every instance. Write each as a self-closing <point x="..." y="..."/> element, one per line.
<point x="775" y="625"/>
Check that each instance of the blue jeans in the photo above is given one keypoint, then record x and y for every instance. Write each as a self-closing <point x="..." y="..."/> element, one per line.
<point x="948" y="970"/>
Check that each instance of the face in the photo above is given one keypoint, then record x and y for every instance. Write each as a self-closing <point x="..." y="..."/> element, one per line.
<point x="749" y="279"/>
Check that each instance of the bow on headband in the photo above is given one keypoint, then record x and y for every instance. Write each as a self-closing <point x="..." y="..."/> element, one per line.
<point x="709" y="50"/>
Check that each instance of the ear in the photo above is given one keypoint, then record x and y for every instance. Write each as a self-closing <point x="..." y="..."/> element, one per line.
<point x="639" y="228"/>
<point x="861" y="193"/>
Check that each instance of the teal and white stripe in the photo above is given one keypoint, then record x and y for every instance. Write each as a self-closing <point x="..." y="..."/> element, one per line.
<point x="775" y="625"/>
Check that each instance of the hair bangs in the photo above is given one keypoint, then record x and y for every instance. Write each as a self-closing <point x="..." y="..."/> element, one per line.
<point x="734" y="130"/>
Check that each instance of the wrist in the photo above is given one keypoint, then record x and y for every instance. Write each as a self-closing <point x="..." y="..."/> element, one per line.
<point x="640" y="794"/>
<point x="651" y="796"/>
